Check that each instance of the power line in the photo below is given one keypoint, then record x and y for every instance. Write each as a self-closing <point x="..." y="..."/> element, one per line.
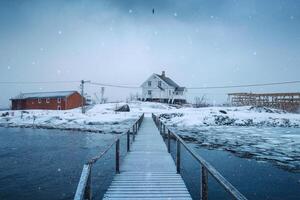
<point x="243" y="86"/>
<point x="35" y="82"/>
<point x="207" y="87"/>
<point x="137" y="87"/>
<point x="116" y="86"/>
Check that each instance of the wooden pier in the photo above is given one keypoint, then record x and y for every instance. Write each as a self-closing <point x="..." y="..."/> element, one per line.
<point x="148" y="171"/>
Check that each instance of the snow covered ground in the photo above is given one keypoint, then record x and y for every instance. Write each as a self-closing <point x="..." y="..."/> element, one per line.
<point x="260" y="133"/>
<point x="100" y="118"/>
<point x="232" y="116"/>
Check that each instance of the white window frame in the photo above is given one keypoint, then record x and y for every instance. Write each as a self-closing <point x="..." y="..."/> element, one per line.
<point x="58" y="100"/>
<point x="39" y="100"/>
<point x="47" y="100"/>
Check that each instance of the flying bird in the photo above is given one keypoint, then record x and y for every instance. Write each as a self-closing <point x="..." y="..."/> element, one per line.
<point x="153" y="11"/>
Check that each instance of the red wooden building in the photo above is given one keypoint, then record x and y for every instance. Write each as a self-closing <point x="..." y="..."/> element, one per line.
<point x="61" y="100"/>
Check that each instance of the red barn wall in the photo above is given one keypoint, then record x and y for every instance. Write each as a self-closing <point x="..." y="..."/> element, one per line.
<point x="70" y="102"/>
<point x="73" y="101"/>
<point x="52" y="104"/>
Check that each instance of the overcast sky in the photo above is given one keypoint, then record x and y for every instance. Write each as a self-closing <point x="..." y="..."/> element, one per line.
<point x="197" y="43"/>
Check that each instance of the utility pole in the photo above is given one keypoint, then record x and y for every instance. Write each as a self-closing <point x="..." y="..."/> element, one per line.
<point x="102" y="94"/>
<point x="82" y="95"/>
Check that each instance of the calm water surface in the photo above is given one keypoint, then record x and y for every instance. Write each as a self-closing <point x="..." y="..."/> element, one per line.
<point x="254" y="179"/>
<point x="46" y="164"/>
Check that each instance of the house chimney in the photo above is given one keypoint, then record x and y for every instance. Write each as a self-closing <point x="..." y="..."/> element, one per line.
<point x="163" y="73"/>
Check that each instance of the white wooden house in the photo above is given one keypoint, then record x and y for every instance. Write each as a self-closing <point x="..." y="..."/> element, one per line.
<point x="161" y="88"/>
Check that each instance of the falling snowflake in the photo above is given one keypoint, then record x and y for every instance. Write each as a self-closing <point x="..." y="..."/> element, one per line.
<point x="8" y="67"/>
<point x="212" y="16"/>
<point x="291" y="17"/>
<point x="41" y="49"/>
<point x="175" y="14"/>
<point x="33" y="62"/>
<point x="59" y="32"/>
<point x="58" y="169"/>
<point x="254" y="53"/>
<point x="130" y="11"/>
<point x="58" y="72"/>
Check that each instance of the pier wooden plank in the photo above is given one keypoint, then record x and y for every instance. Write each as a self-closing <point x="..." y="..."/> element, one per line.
<point x="148" y="171"/>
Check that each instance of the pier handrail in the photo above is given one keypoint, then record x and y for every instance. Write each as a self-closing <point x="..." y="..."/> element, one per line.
<point x="205" y="166"/>
<point x="84" y="190"/>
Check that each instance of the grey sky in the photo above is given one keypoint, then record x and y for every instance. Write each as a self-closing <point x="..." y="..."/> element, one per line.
<point x="197" y="43"/>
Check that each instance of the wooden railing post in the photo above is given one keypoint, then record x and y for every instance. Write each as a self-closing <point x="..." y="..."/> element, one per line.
<point x="178" y="156"/>
<point x="169" y="141"/>
<point x="83" y="190"/>
<point x="128" y="141"/>
<point x="160" y="127"/>
<point x="133" y="133"/>
<point x="118" y="156"/>
<point x="88" y="187"/>
<point x="204" y="184"/>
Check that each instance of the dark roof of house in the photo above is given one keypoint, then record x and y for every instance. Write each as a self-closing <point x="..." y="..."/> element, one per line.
<point x="36" y="95"/>
<point x="171" y="82"/>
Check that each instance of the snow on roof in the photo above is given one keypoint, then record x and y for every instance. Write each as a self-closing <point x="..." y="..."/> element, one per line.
<point x="35" y="95"/>
<point x="170" y="82"/>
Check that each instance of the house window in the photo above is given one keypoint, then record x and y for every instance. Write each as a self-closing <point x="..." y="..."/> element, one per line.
<point x="170" y="92"/>
<point x="159" y="83"/>
<point x="39" y="100"/>
<point x="58" y="100"/>
<point x="149" y="92"/>
<point x="47" y="100"/>
<point x="149" y="83"/>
